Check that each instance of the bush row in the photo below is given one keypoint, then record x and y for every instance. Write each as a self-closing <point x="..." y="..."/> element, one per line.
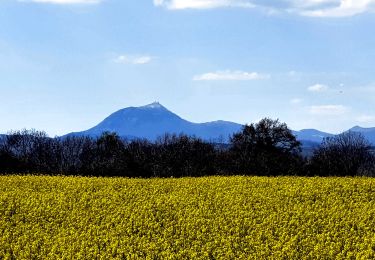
<point x="267" y="148"/>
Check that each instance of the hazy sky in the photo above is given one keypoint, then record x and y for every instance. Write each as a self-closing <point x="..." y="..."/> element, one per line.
<point x="67" y="64"/>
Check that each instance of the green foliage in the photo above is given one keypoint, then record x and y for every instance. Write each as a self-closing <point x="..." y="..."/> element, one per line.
<point x="188" y="218"/>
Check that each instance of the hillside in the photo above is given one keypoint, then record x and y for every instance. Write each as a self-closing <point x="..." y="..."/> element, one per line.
<point x="154" y="120"/>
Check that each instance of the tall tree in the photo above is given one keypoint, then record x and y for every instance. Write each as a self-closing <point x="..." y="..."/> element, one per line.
<point x="265" y="148"/>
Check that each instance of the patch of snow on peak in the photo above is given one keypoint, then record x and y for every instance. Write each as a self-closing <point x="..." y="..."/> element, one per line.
<point x="154" y="105"/>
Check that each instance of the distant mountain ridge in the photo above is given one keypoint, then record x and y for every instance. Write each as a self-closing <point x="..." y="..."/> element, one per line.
<point x="153" y="120"/>
<point x="368" y="133"/>
<point x="311" y="135"/>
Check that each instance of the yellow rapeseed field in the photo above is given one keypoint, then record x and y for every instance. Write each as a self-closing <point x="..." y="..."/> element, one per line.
<point x="190" y="218"/>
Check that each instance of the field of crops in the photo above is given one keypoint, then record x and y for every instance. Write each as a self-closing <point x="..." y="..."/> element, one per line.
<point x="201" y="218"/>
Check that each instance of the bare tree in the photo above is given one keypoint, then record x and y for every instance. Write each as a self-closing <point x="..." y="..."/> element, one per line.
<point x="346" y="154"/>
<point x="26" y="146"/>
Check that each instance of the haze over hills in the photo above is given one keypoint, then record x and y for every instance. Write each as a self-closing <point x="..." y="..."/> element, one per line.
<point x="154" y="120"/>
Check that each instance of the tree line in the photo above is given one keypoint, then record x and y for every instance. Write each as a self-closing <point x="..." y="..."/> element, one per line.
<point x="266" y="148"/>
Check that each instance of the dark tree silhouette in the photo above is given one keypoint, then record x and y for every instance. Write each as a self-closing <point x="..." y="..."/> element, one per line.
<point x="182" y="155"/>
<point x="141" y="159"/>
<point x="347" y="154"/>
<point x="266" y="148"/>
<point x="71" y="153"/>
<point x="110" y="155"/>
<point x="26" y="147"/>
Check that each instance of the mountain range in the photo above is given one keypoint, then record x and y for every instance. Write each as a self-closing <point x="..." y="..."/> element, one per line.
<point x="154" y="120"/>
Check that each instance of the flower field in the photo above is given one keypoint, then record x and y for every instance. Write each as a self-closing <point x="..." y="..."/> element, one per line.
<point x="197" y="218"/>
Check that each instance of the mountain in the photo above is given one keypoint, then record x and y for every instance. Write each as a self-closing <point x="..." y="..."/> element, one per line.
<point x="153" y="120"/>
<point x="311" y="137"/>
<point x="368" y="133"/>
<point x="2" y="139"/>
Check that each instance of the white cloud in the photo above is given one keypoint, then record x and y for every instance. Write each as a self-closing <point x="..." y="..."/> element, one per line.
<point x="136" y="60"/>
<point x="202" y="4"/>
<point x="317" y="88"/>
<point x="328" y="110"/>
<point x="342" y="8"/>
<point x="313" y="8"/>
<point x="296" y="101"/>
<point x="231" y="75"/>
<point x="366" y="119"/>
<point x="62" y="2"/>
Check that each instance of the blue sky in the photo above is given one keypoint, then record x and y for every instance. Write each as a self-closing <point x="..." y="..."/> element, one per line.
<point x="67" y="64"/>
